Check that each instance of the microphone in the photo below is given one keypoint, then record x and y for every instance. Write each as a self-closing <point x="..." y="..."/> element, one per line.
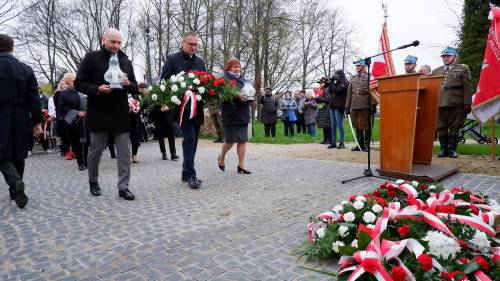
<point x="414" y="44"/>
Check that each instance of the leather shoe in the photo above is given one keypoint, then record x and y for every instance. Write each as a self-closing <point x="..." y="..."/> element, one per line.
<point x="186" y="180"/>
<point x="221" y="167"/>
<point x="126" y="194"/>
<point x="164" y="156"/>
<point x="95" y="189"/>
<point x="332" y="146"/>
<point x="243" y="171"/>
<point x="20" y="198"/>
<point x="174" y="157"/>
<point x="81" y="167"/>
<point x="194" y="183"/>
<point x="12" y="192"/>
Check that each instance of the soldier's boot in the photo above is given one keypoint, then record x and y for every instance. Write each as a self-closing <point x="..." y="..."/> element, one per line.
<point x="452" y="151"/>
<point x="443" y="142"/>
<point x="359" y="138"/>
<point x="367" y="141"/>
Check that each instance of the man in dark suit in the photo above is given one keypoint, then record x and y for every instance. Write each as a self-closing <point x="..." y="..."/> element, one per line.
<point x="19" y="108"/>
<point x="107" y="109"/>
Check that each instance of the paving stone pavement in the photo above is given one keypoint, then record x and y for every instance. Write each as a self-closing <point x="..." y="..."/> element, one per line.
<point x="236" y="227"/>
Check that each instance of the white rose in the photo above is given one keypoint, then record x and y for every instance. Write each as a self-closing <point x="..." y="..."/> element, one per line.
<point x="354" y="243"/>
<point x="201" y="90"/>
<point x="338" y="208"/>
<point x="361" y="198"/>
<point x="377" y="208"/>
<point x="358" y="205"/>
<point x="432" y="186"/>
<point x="191" y="75"/>
<point x="180" y="74"/>
<point x="174" y="88"/>
<point x="349" y="217"/>
<point x="150" y="88"/>
<point x="414" y="183"/>
<point x="183" y="85"/>
<point x="180" y="79"/>
<point x="198" y="97"/>
<point x="320" y="232"/>
<point x="369" y="217"/>
<point x="162" y="81"/>
<point x="342" y="230"/>
<point x="175" y="100"/>
<point x="173" y="79"/>
<point x="336" y="245"/>
<point x="196" y="81"/>
<point x="154" y="97"/>
<point x="162" y="88"/>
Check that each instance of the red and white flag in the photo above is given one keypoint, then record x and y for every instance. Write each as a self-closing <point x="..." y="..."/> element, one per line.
<point x="383" y="65"/>
<point x="486" y="102"/>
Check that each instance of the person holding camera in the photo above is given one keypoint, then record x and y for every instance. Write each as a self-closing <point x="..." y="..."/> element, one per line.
<point x="288" y="107"/>
<point x="338" y="93"/>
<point x="322" y="98"/>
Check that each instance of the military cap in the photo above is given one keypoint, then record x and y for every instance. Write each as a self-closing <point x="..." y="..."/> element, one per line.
<point x="449" y="51"/>
<point x="411" y="59"/>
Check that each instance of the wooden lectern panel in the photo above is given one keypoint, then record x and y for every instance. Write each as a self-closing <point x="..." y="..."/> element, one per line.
<point x="398" y="115"/>
<point x="428" y="101"/>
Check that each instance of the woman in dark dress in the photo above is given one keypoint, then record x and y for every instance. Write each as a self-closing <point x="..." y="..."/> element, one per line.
<point x="338" y="93"/>
<point x="163" y="118"/>
<point x="235" y="118"/>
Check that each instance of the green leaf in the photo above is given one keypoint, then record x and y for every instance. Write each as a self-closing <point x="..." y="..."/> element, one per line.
<point x="471" y="267"/>
<point x="364" y="240"/>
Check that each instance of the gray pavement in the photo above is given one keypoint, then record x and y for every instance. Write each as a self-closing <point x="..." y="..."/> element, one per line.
<point x="236" y="227"/>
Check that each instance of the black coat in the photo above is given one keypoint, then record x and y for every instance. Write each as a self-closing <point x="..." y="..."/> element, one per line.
<point x="164" y="122"/>
<point x="174" y="64"/>
<point x="338" y="94"/>
<point x="19" y="107"/>
<point x="105" y="112"/>
<point x="236" y="112"/>
<point x="269" y="111"/>
<point x="71" y="100"/>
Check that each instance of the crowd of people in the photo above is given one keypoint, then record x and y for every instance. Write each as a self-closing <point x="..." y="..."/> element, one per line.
<point x="89" y="113"/>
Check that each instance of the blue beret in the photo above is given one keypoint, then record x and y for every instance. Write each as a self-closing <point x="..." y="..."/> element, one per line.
<point x="449" y="51"/>
<point x="360" y="62"/>
<point x="411" y="59"/>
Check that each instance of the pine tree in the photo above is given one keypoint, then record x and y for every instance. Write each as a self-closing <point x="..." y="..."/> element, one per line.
<point x="473" y="35"/>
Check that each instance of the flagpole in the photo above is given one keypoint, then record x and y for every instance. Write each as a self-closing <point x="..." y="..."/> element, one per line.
<point x="492" y="138"/>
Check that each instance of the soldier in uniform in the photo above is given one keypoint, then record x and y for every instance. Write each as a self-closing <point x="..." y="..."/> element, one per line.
<point x="214" y="110"/>
<point x="411" y="64"/>
<point x="454" y="103"/>
<point x="360" y="105"/>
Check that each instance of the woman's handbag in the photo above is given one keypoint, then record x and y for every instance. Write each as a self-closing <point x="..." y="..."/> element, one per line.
<point x="291" y="116"/>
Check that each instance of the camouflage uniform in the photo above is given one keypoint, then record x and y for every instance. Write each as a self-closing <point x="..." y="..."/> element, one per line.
<point x="214" y="111"/>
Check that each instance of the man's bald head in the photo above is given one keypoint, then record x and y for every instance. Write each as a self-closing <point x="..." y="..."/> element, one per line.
<point x="112" y="40"/>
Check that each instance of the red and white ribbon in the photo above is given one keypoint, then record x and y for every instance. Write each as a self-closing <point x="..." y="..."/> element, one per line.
<point x="188" y="96"/>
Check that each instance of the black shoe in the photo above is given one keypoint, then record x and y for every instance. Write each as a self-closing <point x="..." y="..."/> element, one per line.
<point x="453" y="154"/>
<point x="328" y="142"/>
<point x="341" y="146"/>
<point x="332" y="146"/>
<point x="174" y="157"/>
<point x="12" y="192"/>
<point x="218" y="141"/>
<point x="95" y="189"/>
<point x="126" y="194"/>
<point x="323" y="142"/>
<point x="113" y="156"/>
<point x="194" y="183"/>
<point x="20" y="198"/>
<point x="81" y="167"/>
<point x="443" y="153"/>
<point x="356" y="148"/>
<point x="243" y="171"/>
<point x="221" y="167"/>
<point x="186" y="180"/>
<point x="63" y="153"/>
<point x="164" y="156"/>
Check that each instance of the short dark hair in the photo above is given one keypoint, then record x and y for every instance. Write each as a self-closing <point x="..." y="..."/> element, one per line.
<point x="6" y="43"/>
<point x="189" y="34"/>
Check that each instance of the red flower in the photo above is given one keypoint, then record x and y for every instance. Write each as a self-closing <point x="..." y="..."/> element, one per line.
<point x="191" y="71"/>
<point x="232" y="83"/>
<point x="450" y="209"/>
<point x="456" y="190"/>
<point x="392" y="194"/>
<point x="211" y="92"/>
<point x="398" y="273"/>
<point x="368" y="196"/>
<point x="352" y="198"/>
<point x="381" y="202"/>
<point x="448" y="276"/>
<point x="222" y="81"/>
<point x="425" y="262"/>
<point x="482" y="262"/>
<point x="377" y="193"/>
<point x="370" y="265"/>
<point x="216" y="83"/>
<point x="423" y="187"/>
<point x="496" y="259"/>
<point x="403" y="230"/>
<point x="203" y="80"/>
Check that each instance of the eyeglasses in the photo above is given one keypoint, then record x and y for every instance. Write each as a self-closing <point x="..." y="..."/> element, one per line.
<point x="191" y="44"/>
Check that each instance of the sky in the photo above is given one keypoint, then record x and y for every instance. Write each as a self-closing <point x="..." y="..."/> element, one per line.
<point x="433" y="22"/>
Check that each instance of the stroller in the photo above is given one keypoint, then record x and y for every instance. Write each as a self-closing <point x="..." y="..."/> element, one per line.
<point x="474" y="130"/>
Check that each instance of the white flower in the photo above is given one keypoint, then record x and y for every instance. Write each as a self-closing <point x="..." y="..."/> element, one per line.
<point x="175" y="100"/>
<point x="162" y="81"/>
<point x="173" y="79"/>
<point x="432" y="187"/>
<point x="180" y="79"/>
<point x="154" y="97"/>
<point x="342" y="230"/>
<point x="196" y="81"/>
<point x="369" y="217"/>
<point x="191" y="75"/>
<point x="481" y="242"/>
<point x="349" y="217"/>
<point x="320" y="232"/>
<point x="372" y="226"/>
<point x="358" y="205"/>
<point x="338" y="208"/>
<point x="180" y="74"/>
<point x="414" y="183"/>
<point x="198" y="97"/>
<point x="140" y="97"/>
<point x="345" y="203"/>
<point x="354" y="243"/>
<point x="400" y="181"/>
<point x="188" y="93"/>
<point x="183" y="85"/>
<point x="361" y="198"/>
<point x="150" y="88"/>
<point x="162" y="87"/>
<point x="201" y="90"/>
<point x="336" y="245"/>
<point x="377" y="208"/>
<point x="441" y="245"/>
<point x="174" y="88"/>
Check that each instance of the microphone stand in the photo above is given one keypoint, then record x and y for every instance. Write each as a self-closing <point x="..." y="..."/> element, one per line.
<point x="367" y="173"/>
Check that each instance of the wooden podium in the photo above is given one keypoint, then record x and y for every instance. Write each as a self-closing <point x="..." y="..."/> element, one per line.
<point x="408" y="116"/>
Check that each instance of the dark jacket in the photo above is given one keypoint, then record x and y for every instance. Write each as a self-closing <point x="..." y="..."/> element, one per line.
<point x="338" y="94"/>
<point x="105" y="112"/>
<point x="174" y="64"/>
<point x="44" y="101"/>
<point x="71" y="100"/>
<point x="236" y="112"/>
<point x="19" y="106"/>
<point x="164" y="122"/>
<point x="269" y="111"/>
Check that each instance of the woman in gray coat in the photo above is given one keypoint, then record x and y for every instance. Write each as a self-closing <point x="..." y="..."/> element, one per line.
<point x="310" y="109"/>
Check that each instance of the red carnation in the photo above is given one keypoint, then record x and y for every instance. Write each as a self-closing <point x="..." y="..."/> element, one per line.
<point x="370" y="265"/>
<point x="425" y="262"/>
<point x="377" y="193"/>
<point x="423" y="186"/>
<point x="222" y="81"/>
<point x="381" y="202"/>
<point x="482" y="262"/>
<point x="368" y="196"/>
<point x="211" y="92"/>
<point x="352" y="198"/>
<point x="496" y="259"/>
<point x="448" y="276"/>
<point x="203" y="80"/>
<point x="398" y="273"/>
<point x="232" y="83"/>
<point x="391" y="194"/>
<point x="216" y="83"/>
<point x="403" y="230"/>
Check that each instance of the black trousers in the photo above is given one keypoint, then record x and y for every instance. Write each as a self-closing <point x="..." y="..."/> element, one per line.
<point x="270" y="128"/>
<point x="79" y="148"/>
<point x="12" y="170"/>
<point x="171" y="144"/>
<point x="301" y="124"/>
<point x="61" y="132"/>
<point x="191" y="132"/>
<point x="135" y="136"/>
<point x="42" y="140"/>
